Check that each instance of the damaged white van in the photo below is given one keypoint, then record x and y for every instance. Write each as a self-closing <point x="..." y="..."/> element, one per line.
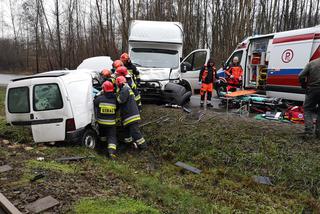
<point x="57" y="105"/>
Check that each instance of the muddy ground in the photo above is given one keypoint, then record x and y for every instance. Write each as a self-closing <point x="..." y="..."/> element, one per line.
<point x="229" y="150"/>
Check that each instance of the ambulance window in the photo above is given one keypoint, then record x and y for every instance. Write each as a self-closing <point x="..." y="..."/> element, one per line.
<point x="238" y="54"/>
<point x="199" y="60"/>
<point x="18" y="100"/>
<point x="47" y="97"/>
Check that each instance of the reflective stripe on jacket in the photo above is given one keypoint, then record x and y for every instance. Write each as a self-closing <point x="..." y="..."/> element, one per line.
<point x="105" y="109"/>
<point x="128" y="106"/>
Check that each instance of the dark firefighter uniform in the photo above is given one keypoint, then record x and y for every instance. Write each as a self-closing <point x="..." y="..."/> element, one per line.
<point x="130" y="116"/>
<point x="135" y="90"/>
<point x="207" y="77"/>
<point x="234" y="74"/>
<point x="133" y="71"/>
<point x="105" y="109"/>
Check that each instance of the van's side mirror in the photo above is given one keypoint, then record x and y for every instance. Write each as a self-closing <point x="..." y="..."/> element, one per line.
<point x="185" y="66"/>
<point x="223" y="65"/>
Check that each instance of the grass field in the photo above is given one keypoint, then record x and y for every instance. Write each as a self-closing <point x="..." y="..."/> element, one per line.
<point x="228" y="150"/>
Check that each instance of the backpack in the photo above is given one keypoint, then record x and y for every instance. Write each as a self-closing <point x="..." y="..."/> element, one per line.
<point x="295" y="114"/>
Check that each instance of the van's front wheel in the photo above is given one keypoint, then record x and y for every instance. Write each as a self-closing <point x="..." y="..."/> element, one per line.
<point x="89" y="139"/>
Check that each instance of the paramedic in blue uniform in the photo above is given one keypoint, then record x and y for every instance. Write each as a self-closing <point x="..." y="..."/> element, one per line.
<point x="310" y="80"/>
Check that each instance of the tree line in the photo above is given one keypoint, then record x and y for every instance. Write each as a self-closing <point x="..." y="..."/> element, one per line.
<point x="56" y="34"/>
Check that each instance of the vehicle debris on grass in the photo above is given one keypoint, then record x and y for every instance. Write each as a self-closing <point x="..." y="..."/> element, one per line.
<point x="188" y="167"/>
<point x="5" y="168"/>
<point x="42" y="204"/>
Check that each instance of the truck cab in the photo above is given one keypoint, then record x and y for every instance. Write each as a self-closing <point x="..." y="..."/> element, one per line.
<point x="156" y="49"/>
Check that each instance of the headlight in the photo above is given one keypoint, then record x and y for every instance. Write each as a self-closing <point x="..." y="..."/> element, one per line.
<point x="176" y="81"/>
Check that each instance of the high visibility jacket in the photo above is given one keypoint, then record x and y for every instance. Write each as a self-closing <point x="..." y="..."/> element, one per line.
<point x="128" y="107"/>
<point x="105" y="109"/>
<point x="207" y="74"/>
<point x="135" y="90"/>
<point x="236" y="71"/>
<point x="133" y="71"/>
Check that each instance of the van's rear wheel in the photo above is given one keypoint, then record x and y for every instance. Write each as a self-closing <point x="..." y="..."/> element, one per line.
<point x="89" y="139"/>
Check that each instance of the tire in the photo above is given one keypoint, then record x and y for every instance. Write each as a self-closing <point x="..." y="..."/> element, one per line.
<point x="186" y="85"/>
<point x="89" y="139"/>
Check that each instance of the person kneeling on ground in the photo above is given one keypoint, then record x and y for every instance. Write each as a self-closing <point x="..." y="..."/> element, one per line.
<point x="105" y="109"/>
<point x="207" y="77"/>
<point x="129" y="112"/>
<point x="310" y="80"/>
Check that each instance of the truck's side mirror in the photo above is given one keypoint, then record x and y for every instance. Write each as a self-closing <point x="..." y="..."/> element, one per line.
<point x="185" y="66"/>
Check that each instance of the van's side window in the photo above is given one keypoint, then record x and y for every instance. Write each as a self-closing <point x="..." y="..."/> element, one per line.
<point x="47" y="97"/>
<point x="18" y="100"/>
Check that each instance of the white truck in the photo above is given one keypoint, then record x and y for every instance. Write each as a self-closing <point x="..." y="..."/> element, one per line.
<point x="57" y="105"/>
<point x="272" y="62"/>
<point x="156" y="49"/>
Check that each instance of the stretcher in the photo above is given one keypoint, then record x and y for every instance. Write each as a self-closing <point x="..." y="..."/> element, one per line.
<point x="254" y="102"/>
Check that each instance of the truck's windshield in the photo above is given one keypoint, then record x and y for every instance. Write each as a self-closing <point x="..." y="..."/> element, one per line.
<point x="155" y="58"/>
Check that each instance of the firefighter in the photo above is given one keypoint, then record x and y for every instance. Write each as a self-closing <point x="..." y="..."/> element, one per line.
<point x="207" y="77"/>
<point x="234" y="75"/>
<point x="132" y="69"/>
<point x="107" y="75"/>
<point x="105" y="109"/>
<point x="122" y="71"/>
<point x="310" y="80"/>
<point x="129" y="112"/>
<point x="116" y="64"/>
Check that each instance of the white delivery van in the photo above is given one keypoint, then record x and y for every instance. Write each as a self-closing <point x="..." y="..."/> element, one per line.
<point x="97" y="63"/>
<point x="57" y="105"/>
<point x="156" y="49"/>
<point x="272" y="62"/>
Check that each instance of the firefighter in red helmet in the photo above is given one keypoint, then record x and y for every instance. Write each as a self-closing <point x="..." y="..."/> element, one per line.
<point x="123" y="71"/>
<point x="129" y="112"/>
<point x="105" y="111"/>
<point x="132" y="69"/>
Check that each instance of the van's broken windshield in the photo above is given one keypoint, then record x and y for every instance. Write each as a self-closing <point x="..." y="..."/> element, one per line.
<point x="155" y="58"/>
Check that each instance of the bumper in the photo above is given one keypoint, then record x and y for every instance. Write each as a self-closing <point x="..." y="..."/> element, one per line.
<point x="171" y="93"/>
<point x="75" y="136"/>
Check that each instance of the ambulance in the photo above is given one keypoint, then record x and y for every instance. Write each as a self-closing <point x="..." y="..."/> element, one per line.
<point x="272" y="62"/>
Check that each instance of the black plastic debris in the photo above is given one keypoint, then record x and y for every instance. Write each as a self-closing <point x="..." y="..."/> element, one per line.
<point x="37" y="177"/>
<point x="188" y="167"/>
<point x="74" y="158"/>
<point x="262" y="180"/>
